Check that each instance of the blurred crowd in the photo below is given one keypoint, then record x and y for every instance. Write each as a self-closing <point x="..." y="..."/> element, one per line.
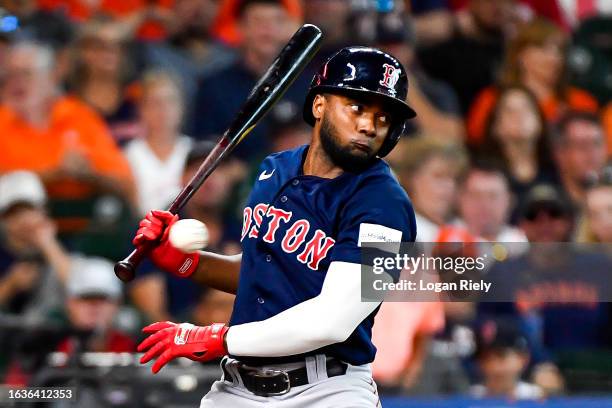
<point x="108" y="107"/>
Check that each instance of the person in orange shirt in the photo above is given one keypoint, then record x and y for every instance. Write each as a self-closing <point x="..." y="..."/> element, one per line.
<point x="58" y="137"/>
<point x="150" y="20"/>
<point x="607" y="121"/>
<point x="535" y="58"/>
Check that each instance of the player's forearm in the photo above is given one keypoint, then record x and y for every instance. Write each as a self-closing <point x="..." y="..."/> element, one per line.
<point x="326" y="319"/>
<point x="218" y="271"/>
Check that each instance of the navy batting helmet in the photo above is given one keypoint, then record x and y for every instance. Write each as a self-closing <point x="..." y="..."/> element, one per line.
<point x="356" y="71"/>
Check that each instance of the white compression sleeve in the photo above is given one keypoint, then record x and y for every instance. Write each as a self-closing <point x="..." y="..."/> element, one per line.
<point x="326" y="319"/>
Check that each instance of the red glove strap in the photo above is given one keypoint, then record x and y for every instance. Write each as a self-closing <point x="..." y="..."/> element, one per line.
<point x="156" y="226"/>
<point x="213" y="336"/>
<point x="172" y="260"/>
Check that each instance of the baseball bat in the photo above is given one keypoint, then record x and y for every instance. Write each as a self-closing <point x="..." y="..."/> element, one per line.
<point x="292" y="59"/>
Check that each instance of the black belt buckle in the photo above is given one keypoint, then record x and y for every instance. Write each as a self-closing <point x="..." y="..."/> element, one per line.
<point x="263" y="381"/>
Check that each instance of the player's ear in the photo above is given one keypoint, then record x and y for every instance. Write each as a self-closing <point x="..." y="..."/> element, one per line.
<point x="318" y="106"/>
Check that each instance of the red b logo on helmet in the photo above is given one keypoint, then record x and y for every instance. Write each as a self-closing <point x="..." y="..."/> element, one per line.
<point x="390" y="76"/>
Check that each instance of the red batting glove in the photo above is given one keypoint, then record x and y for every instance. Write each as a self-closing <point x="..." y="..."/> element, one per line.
<point x="170" y="340"/>
<point x="156" y="226"/>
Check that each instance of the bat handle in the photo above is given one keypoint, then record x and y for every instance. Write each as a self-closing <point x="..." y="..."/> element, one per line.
<point x="126" y="269"/>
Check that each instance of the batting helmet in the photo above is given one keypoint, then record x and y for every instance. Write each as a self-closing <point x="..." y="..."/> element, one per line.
<point x="356" y="71"/>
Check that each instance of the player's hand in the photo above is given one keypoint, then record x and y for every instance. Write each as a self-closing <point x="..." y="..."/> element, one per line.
<point x="168" y="341"/>
<point x="155" y="227"/>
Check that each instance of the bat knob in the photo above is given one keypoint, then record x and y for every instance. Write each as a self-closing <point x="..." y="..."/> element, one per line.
<point x="125" y="271"/>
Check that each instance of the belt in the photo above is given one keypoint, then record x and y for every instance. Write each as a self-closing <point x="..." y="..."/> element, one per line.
<point x="270" y="382"/>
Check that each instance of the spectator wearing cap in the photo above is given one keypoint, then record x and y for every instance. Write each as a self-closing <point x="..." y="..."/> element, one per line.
<point x="162" y="295"/>
<point x="485" y="203"/>
<point x="93" y="299"/>
<point x="503" y="356"/>
<point x="158" y="159"/>
<point x="556" y="289"/>
<point x="33" y="265"/>
<point x="429" y="170"/>
<point x="58" y="137"/>
<point x="579" y="151"/>
<point x="266" y="27"/>
<point x="85" y="322"/>
<point x="436" y="102"/>
<point x="546" y="215"/>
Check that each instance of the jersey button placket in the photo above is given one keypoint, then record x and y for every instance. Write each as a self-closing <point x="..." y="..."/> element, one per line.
<point x="295" y="182"/>
<point x="268" y="258"/>
<point x="283" y="199"/>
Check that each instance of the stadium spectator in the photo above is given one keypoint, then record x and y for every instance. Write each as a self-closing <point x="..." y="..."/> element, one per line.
<point x="439" y="112"/>
<point x="226" y="25"/>
<point x="158" y="159"/>
<point x="92" y="304"/>
<point x="149" y="20"/>
<point x="485" y="203"/>
<point x="49" y="27"/>
<point x="546" y="215"/>
<point x="58" y="137"/>
<point x="265" y="27"/>
<point x="40" y="24"/>
<point x="555" y="288"/>
<point x="503" y="356"/>
<point x="597" y="225"/>
<point x="33" y="264"/>
<point x="191" y="51"/>
<point x="101" y="75"/>
<point x="579" y="150"/>
<point x="517" y="140"/>
<point x="332" y="17"/>
<point x="433" y="20"/>
<point x="402" y="336"/>
<point x="468" y="60"/>
<point x="535" y="58"/>
<point x="163" y="295"/>
<point x="84" y="322"/>
<point x="428" y="170"/>
<point x="606" y="119"/>
<point x="288" y="130"/>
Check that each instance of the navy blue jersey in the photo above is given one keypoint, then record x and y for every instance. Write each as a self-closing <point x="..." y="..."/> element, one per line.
<point x="295" y="225"/>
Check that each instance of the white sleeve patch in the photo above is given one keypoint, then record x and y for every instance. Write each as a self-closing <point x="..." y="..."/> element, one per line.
<point x="379" y="233"/>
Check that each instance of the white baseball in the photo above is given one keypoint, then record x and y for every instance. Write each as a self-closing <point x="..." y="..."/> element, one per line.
<point x="188" y="235"/>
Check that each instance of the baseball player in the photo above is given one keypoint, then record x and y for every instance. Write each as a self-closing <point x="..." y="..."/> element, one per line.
<point x="299" y="335"/>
